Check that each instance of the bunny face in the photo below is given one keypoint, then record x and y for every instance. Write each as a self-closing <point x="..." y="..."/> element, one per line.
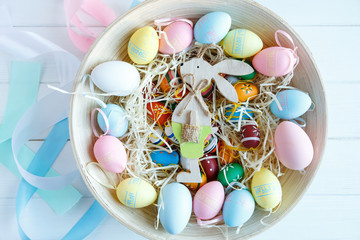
<point x="197" y="67"/>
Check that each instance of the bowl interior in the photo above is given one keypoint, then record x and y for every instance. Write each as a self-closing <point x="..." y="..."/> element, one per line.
<point x="112" y="45"/>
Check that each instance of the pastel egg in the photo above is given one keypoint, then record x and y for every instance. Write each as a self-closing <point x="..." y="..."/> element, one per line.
<point x="118" y="77"/>
<point x="233" y="113"/>
<point x="195" y="186"/>
<point x="212" y="27"/>
<point x="294" y="103"/>
<point x="266" y="189"/>
<point x="158" y="112"/>
<point x="226" y="154"/>
<point x="116" y="115"/>
<point x="232" y="79"/>
<point x="293" y="147"/>
<point x="175" y="207"/>
<point x="136" y="193"/>
<point x="110" y="153"/>
<point x="179" y="35"/>
<point x="210" y="166"/>
<point x="239" y="206"/>
<point x="208" y="200"/>
<point x="210" y="144"/>
<point x="274" y="61"/>
<point x="242" y="43"/>
<point x="232" y="172"/>
<point x="158" y="138"/>
<point x="164" y="158"/>
<point x="250" y="135"/>
<point x="143" y="45"/>
<point x="170" y="134"/>
<point x="246" y="91"/>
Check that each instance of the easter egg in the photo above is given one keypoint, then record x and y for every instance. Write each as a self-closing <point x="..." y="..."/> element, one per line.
<point x="165" y="82"/>
<point x="208" y="200"/>
<point x="110" y="153"/>
<point x="143" y="45"/>
<point x="206" y="92"/>
<point x="212" y="27"/>
<point x="274" y="61"/>
<point x="266" y="189"/>
<point x="179" y="35"/>
<point x="164" y="158"/>
<point x="116" y="115"/>
<point x="232" y="79"/>
<point x="246" y="91"/>
<point x="158" y="112"/>
<point x="175" y="207"/>
<point x="250" y="75"/>
<point x="232" y="172"/>
<point x="118" y="77"/>
<point x="195" y="186"/>
<point x="210" y="166"/>
<point x="238" y="207"/>
<point x="233" y="113"/>
<point x="136" y="193"/>
<point x="294" y="103"/>
<point x="250" y="135"/>
<point x="169" y="133"/>
<point x="293" y="147"/>
<point x="242" y="43"/>
<point x="158" y="138"/>
<point x="210" y="144"/>
<point x="226" y="155"/>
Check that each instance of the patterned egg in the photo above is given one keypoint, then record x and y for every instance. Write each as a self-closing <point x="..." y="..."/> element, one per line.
<point x="155" y="139"/>
<point x="143" y="45"/>
<point x="226" y="155"/>
<point x="165" y="82"/>
<point x="210" y="166"/>
<point x="274" y="61"/>
<point x="195" y="186"/>
<point x="118" y="123"/>
<point x="163" y="158"/>
<point x="212" y="27"/>
<point x="242" y="43"/>
<point x="169" y="133"/>
<point x="266" y="189"/>
<point x="250" y="135"/>
<point x="246" y="91"/>
<point x="233" y="113"/>
<point x="208" y="200"/>
<point x="158" y="112"/>
<point x="179" y="35"/>
<point x="206" y="92"/>
<point x="232" y="172"/>
<point x="210" y="144"/>
<point x="294" y="103"/>
<point x="136" y="193"/>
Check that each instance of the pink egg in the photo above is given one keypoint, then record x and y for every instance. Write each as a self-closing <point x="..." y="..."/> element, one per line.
<point x="293" y="146"/>
<point x="110" y="153"/>
<point x="274" y="61"/>
<point x="180" y="36"/>
<point x="208" y="200"/>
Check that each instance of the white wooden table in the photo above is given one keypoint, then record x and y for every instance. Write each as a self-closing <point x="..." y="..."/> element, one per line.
<point x="331" y="207"/>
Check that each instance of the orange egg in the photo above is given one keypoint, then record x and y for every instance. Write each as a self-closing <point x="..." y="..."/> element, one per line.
<point x="226" y="155"/>
<point x="246" y="91"/>
<point x="196" y="186"/>
<point x="158" y="112"/>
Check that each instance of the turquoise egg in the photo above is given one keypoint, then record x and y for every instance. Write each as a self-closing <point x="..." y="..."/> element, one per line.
<point x="294" y="103"/>
<point x="246" y="114"/>
<point x="212" y="27"/>
<point x="164" y="158"/>
<point x="116" y="115"/>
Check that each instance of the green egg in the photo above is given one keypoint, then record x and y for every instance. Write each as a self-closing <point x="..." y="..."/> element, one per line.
<point x="249" y="76"/>
<point x="234" y="172"/>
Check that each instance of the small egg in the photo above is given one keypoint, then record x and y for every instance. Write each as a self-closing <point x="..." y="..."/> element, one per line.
<point x="210" y="166"/>
<point x="195" y="186"/>
<point x="232" y="172"/>
<point x="242" y="43"/>
<point x="250" y="135"/>
<point x="164" y="158"/>
<point x="210" y="144"/>
<point x="116" y="115"/>
<point x="212" y="27"/>
<point x="170" y="134"/>
<point x="158" y="112"/>
<point x="156" y="140"/>
<point x="246" y="91"/>
<point x="143" y="45"/>
<point x="232" y="79"/>
<point x="165" y="82"/>
<point x="226" y="155"/>
<point x="233" y="113"/>
<point x="179" y="35"/>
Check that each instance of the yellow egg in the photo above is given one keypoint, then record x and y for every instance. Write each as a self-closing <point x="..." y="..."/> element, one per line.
<point x="266" y="189"/>
<point x="242" y="43"/>
<point x="246" y="90"/>
<point x="143" y="45"/>
<point x="136" y="193"/>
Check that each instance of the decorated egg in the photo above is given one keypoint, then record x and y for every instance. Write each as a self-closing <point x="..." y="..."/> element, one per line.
<point x="165" y="82"/>
<point x="210" y="166"/>
<point x="294" y="103"/>
<point x="110" y="153"/>
<point x="136" y="193"/>
<point x="232" y="172"/>
<point x="116" y="115"/>
<point x="226" y="154"/>
<point x="239" y="206"/>
<point x="250" y="135"/>
<point x="242" y="43"/>
<point x="232" y="79"/>
<point x="233" y="113"/>
<point x="158" y="112"/>
<point x="169" y="133"/>
<point x="206" y="92"/>
<point x="208" y="200"/>
<point x="195" y="186"/>
<point x="175" y="207"/>
<point x="210" y="144"/>
<point x="249" y="76"/>
<point x="246" y="91"/>
<point x="293" y="147"/>
<point x="274" y="61"/>
<point x="158" y="138"/>
<point x="266" y="189"/>
<point x="212" y="27"/>
<point x="163" y="158"/>
<point x="143" y="45"/>
<point x="179" y="35"/>
<point x="117" y="77"/>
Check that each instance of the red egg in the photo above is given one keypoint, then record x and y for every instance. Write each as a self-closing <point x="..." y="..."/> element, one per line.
<point x="250" y="135"/>
<point x="210" y="166"/>
<point x="158" y="112"/>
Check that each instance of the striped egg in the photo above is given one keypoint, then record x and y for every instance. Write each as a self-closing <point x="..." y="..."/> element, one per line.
<point x="165" y="81"/>
<point x="250" y="135"/>
<point x="233" y="113"/>
<point x="210" y="144"/>
<point x="155" y="139"/>
<point x="170" y="134"/>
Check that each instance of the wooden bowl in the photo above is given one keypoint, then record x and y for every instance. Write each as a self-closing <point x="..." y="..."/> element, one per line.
<point x="112" y="45"/>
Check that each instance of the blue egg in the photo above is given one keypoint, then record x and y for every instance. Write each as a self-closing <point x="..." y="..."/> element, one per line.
<point x="212" y="27"/>
<point x="238" y="207"/>
<point x="118" y="123"/>
<point x="246" y="114"/>
<point x="294" y="103"/>
<point x="164" y="158"/>
<point x="175" y="207"/>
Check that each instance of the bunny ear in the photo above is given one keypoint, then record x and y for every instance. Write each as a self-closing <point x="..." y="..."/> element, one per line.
<point x="233" y="67"/>
<point x="225" y="88"/>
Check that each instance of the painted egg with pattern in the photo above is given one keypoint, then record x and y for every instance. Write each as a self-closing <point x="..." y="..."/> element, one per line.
<point x="168" y="77"/>
<point x="212" y="27"/>
<point x="143" y="45"/>
<point x="158" y="138"/>
<point x="226" y="154"/>
<point x="116" y="115"/>
<point x="210" y="144"/>
<point x="266" y="189"/>
<point x="210" y="166"/>
<point x="136" y="193"/>
<point x="179" y="35"/>
<point x="250" y="135"/>
<point x="246" y="91"/>
<point x="164" y="158"/>
<point x="158" y="112"/>
<point x="195" y="186"/>
<point x="170" y="134"/>
<point x="242" y="43"/>
<point x="233" y="113"/>
<point x="232" y="172"/>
